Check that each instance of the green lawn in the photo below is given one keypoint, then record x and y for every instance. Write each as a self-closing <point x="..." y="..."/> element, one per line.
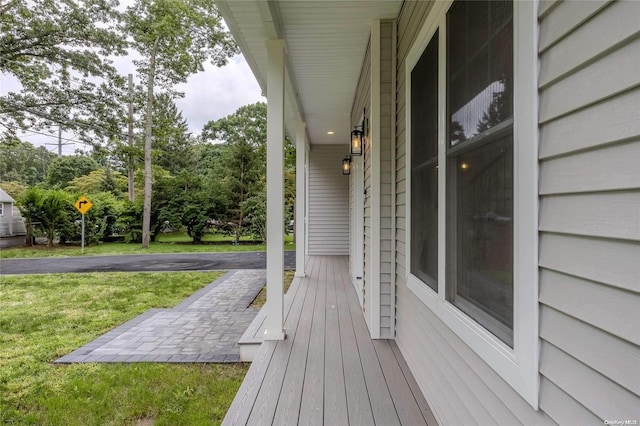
<point x="167" y="244"/>
<point x="47" y="316"/>
<point x="261" y="298"/>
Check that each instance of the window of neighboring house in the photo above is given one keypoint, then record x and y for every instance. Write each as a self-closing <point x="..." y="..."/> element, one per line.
<point x="472" y="259"/>
<point x="1" y="209"/>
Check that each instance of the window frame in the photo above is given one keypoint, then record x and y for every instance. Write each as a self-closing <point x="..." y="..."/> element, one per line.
<point x="517" y="366"/>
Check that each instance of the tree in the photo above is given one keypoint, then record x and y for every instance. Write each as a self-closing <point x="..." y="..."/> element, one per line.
<point x="100" y="180"/>
<point x="240" y="169"/>
<point x="13" y="188"/>
<point x="100" y="220"/>
<point x="173" y="143"/>
<point x="174" y="38"/>
<point x="57" y="51"/>
<point x="500" y="107"/>
<point x="64" y="169"/>
<point x="47" y="207"/>
<point x="22" y="162"/>
<point x="256" y="208"/>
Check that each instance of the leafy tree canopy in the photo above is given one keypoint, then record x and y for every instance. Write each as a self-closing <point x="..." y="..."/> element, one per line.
<point x="180" y="34"/>
<point x="13" y="188"/>
<point x="22" y="162"/>
<point x="64" y="169"/>
<point x="174" y="38"/>
<point x="173" y="144"/>
<point x="247" y="125"/>
<point x="58" y="51"/>
<point x="48" y="208"/>
<point x="238" y="173"/>
<point x="100" y="180"/>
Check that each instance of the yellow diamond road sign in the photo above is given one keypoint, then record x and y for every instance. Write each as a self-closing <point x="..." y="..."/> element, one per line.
<point x="83" y="204"/>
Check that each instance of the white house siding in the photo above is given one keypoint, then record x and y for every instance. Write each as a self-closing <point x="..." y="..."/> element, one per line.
<point x="362" y="102"/>
<point x="589" y="233"/>
<point x="328" y="217"/>
<point x="387" y="292"/>
<point x="378" y="189"/>
<point x="6" y="219"/>
<point x="590" y="211"/>
<point x="459" y="386"/>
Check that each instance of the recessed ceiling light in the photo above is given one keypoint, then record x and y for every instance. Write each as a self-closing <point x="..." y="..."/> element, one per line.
<point x="330" y="132"/>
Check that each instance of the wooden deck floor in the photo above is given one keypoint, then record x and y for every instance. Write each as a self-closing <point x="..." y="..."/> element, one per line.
<point x="328" y="370"/>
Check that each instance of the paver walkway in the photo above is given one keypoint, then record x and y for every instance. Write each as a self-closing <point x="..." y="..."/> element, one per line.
<point x="205" y="327"/>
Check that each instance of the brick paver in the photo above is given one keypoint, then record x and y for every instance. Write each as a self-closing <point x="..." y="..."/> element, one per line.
<point x="205" y="327"/>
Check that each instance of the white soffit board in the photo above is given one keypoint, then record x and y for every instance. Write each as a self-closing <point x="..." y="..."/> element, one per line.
<point x="326" y="42"/>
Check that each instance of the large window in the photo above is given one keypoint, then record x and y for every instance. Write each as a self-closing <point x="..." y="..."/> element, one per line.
<point x="480" y="162"/>
<point x="472" y="180"/>
<point x="424" y="166"/>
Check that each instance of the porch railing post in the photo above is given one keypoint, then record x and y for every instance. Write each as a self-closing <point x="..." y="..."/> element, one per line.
<point x="275" y="191"/>
<point x="301" y="194"/>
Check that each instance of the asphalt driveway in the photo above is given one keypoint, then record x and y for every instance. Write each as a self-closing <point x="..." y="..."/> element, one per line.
<point x="143" y="263"/>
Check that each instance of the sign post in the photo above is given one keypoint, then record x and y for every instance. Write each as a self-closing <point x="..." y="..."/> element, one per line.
<point x="83" y="205"/>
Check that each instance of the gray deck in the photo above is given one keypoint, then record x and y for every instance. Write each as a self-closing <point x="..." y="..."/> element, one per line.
<point x="328" y="370"/>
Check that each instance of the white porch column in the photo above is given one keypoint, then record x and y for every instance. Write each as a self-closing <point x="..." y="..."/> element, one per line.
<point x="275" y="191"/>
<point x="301" y="195"/>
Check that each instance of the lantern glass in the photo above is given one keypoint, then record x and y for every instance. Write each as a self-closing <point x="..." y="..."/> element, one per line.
<point x="356" y="142"/>
<point x="346" y="166"/>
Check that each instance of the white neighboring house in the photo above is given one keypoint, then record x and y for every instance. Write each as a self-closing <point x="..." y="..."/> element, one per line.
<point x="12" y="228"/>
<point x="493" y="222"/>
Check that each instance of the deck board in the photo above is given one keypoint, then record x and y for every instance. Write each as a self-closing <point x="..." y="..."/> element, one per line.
<point x="415" y="389"/>
<point x="328" y="370"/>
<point x="384" y="412"/>
<point x="267" y="399"/>
<point x="360" y="412"/>
<point x="312" y="404"/>
<point x="288" y="407"/>
<point x="335" y="404"/>
<point x="407" y="408"/>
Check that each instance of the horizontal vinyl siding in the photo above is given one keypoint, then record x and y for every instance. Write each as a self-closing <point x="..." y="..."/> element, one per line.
<point x="590" y="211"/>
<point x="459" y="386"/>
<point x="362" y="102"/>
<point x="387" y="293"/>
<point x="328" y="202"/>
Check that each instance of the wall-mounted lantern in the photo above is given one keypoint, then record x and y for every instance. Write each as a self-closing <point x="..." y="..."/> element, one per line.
<point x="357" y="139"/>
<point x="346" y="165"/>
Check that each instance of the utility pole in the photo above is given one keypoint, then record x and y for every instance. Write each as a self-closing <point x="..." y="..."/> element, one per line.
<point x="59" y="141"/>
<point x="130" y="139"/>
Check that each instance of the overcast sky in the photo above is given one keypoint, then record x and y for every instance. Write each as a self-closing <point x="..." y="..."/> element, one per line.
<point x="209" y="95"/>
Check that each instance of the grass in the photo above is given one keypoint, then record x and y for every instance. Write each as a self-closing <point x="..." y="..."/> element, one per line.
<point x="261" y="298"/>
<point x="176" y="246"/>
<point x="47" y="316"/>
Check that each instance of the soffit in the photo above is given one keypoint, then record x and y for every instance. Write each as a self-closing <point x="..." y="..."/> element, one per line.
<point x="326" y="42"/>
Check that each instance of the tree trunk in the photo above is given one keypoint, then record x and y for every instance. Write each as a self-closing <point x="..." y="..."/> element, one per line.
<point x="146" y="210"/>
<point x="51" y="234"/>
<point x="29" y="230"/>
<point x="130" y="170"/>
<point x="239" y="228"/>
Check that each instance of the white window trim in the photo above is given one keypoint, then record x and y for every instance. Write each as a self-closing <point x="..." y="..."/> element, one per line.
<point x="517" y="366"/>
<point x="373" y="275"/>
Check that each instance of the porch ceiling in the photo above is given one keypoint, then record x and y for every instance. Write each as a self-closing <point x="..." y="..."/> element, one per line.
<point x="325" y="41"/>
